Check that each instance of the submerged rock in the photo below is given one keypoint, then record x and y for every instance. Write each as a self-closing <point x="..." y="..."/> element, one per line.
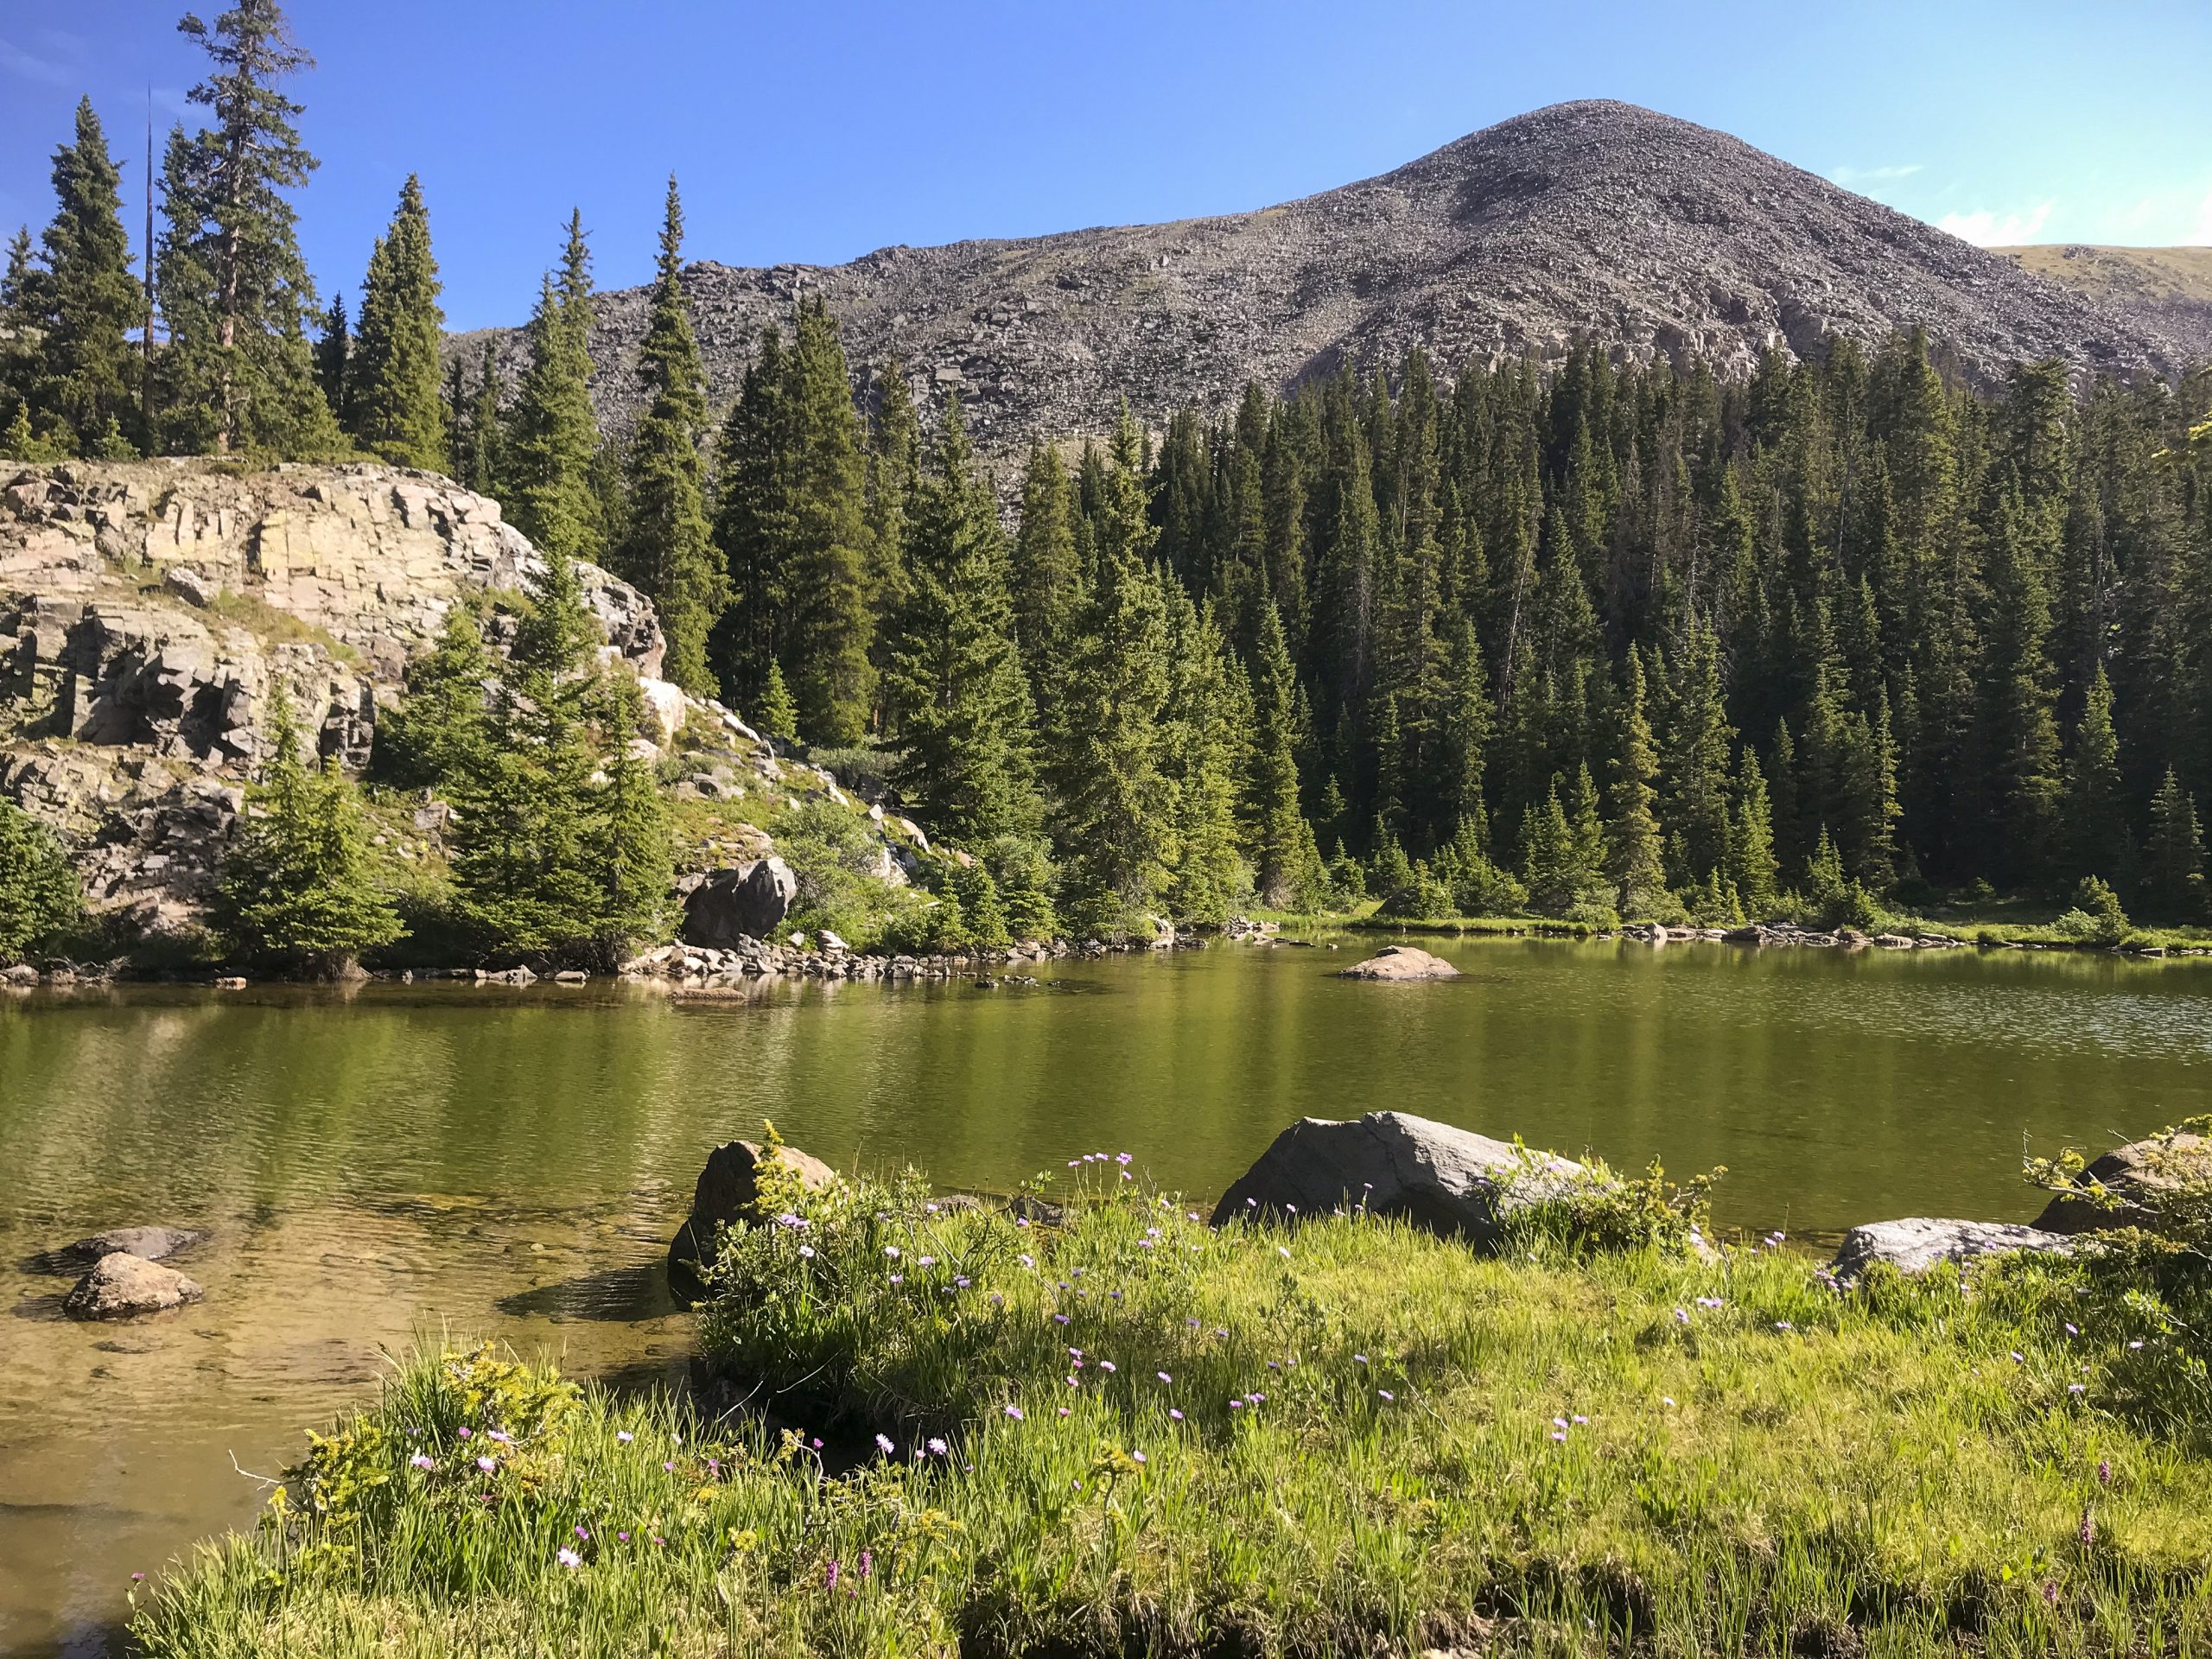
<point x="2132" y="1173"/>
<point x="1401" y="962"/>
<point x="747" y="902"/>
<point x="728" y="1187"/>
<point x="121" y="1284"/>
<point x="1917" y="1243"/>
<point x="146" y="1243"/>
<point x="1449" y="1182"/>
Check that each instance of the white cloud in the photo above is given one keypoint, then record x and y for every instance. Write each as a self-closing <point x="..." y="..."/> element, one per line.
<point x="17" y="61"/>
<point x="1988" y="229"/>
<point x="1851" y="177"/>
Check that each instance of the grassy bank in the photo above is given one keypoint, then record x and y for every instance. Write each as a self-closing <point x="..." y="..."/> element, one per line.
<point x="1133" y="1435"/>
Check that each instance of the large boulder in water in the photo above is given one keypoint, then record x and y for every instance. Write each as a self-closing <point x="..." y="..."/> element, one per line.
<point x="749" y="902"/>
<point x="1449" y="1182"/>
<point x="1401" y="962"/>
<point x="727" y="1192"/>
<point x="121" y="1284"/>
<point x="1917" y="1243"/>
<point x="2137" y="1174"/>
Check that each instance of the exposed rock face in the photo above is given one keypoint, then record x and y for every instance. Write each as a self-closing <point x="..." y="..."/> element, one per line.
<point x="1450" y="1181"/>
<point x="146" y="608"/>
<point x="1401" y="962"/>
<point x="1652" y="236"/>
<point x="728" y="1188"/>
<point x="121" y="1284"/>
<point x="146" y="1243"/>
<point x="747" y="902"/>
<point x="2132" y="1173"/>
<point x="1919" y="1243"/>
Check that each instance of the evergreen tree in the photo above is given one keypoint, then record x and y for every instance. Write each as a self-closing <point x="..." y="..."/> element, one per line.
<point x="481" y="461"/>
<point x="1117" y="819"/>
<point x="22" y="308"/>
<point x="1695" y="763"/>
<point x="954" y="683"/>
<point x="1463" y="730"/>
<point x="1638" y="872"/>
<point x="629" y="844"/>
<point x="1750" y="863"/>
<point x="1280" y="835"/>
<point x="2173" y="858"/>
<point x="296" y="891"/>
<point x="40" y="900"/>
<point x="393" y="403"/>
<point x="334" y="349"/>
<point x="89" y="369"/>
<point x="2020" y="752"/>
<point x="754" y="520"/>
<point x="826" y="645"/>
<point x="237" y="371"/>
<point x="2096" y="821"/>
<point x="1046" y="578"/>
<point x="1208" y="718"/>
<point x="894" y="470"/>
<point x="666" y="549"/>
<point x="552" y="440"/>
<point x="438" y="730"/>
<point x="775" y="714"/>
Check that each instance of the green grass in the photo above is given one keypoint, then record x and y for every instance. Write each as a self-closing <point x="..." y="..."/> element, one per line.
<point x="1366" y="1460"/>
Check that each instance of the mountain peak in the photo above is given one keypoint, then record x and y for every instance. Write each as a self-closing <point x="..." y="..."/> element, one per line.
<point x="1592" y="219"/>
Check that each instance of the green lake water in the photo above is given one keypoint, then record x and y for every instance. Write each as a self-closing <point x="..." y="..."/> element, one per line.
<point x="393" y="1162"/>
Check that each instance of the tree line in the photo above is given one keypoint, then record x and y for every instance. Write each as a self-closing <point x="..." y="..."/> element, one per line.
<point x="1599" y="641"/>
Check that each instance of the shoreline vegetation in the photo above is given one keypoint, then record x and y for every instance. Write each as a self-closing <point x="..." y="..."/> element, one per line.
<point x="927" y="1427"/>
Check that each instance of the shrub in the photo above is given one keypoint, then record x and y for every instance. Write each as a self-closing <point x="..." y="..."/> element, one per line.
<point x="40" y="900"/>
<point x="2095" y="917"/>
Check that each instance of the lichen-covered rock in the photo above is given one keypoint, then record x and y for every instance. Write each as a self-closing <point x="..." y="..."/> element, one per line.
<point x="1401" y="962"/>
<point x="148" y="1243"/>
<point x="1915" y="1243"/>
<point x="1450" y="1181"/>
<point x="121" y="1284"/>
<point x="728" y="1187"/>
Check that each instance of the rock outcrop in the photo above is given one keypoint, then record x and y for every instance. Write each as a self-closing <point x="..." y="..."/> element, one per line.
<point x="2136" y="1175"/>
<point x="1657" y="239"/>
<point x="146" y="608"/>
<point x="1917" y="1243"/>
<point x="1401" y="962"/>
<point x="121" y="1284"/>
<point x="728" y="1191"/>
<point x="1451" y="1181"/>
<point x="734" y="907"/>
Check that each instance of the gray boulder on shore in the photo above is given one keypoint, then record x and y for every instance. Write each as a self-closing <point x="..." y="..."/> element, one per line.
<point x="121" y="1284"/>
<point x="1401" y="962"/>
<point x="1915" y="1243"/>
<point x="747" y="902"/>
<point x="1449" y="1182"/>
<point x="728" y="1187"/>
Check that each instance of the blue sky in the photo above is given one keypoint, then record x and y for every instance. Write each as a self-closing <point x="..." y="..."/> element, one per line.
<point x="815" y="132"/>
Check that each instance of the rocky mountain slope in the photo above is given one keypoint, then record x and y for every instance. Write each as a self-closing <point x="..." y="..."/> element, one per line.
<point x="1657" y="237"/>
<point x="2170" y="288"/>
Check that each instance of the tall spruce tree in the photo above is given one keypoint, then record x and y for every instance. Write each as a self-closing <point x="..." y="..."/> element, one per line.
<point x="1204" y="743"/>
<point x="666" y="549"/>
<point x="1047" y="577"/>
<point x="826" y="646"/>
<point x="237" y="370"/>
<point x="393" y="404"/>
<point x="87" y="386"/>
<point x="2173" y="857"/>
<point x="754" y="522"/>
<point x="2096" y="818"/>
<point x="1635" y="864"/>
<point x="954" y="685"/>
<point x="552" y="436"/>
<point x="1279" y="832"/>
<point x="334" y="348"/>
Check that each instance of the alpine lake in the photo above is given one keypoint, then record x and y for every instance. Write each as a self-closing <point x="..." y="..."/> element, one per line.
<point x="391" y="1165"/>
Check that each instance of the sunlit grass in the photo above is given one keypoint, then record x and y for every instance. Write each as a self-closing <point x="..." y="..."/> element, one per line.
<point x="1346" y="1436"/>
